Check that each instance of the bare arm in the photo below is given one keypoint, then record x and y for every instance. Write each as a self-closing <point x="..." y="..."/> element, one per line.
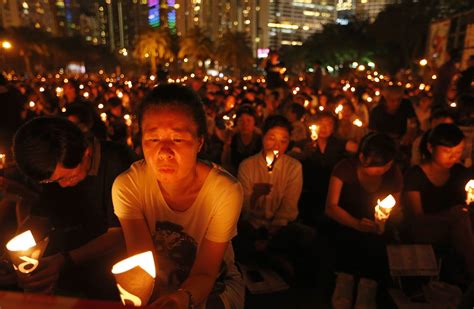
<point x="110" y="241"/>
<point x="333" y="210"/>
<point x="413" y="202"/>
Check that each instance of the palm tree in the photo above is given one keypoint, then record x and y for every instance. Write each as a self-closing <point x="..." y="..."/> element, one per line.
<point x="153" y="46"/>
<point x="195" y="46"/>
<point x="234" y="52"/>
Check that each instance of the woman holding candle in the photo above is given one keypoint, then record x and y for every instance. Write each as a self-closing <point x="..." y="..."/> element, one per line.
<point x="272" y="188"/>
<point x="434" y="195"/>
<point x="319" y="158"/>
<point x="184" y="210"/>
<point x="354" y="188"/>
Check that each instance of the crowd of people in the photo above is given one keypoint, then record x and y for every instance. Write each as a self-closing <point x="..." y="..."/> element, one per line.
<point x="209" y="172"/>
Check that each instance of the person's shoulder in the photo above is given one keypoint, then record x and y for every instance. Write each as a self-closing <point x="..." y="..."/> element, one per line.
<point x="222" y="183"/>
<point x="345" y="168"/>
<point x="347" y="163"/>
<point x="291" y="162"/>
<point x="250" y="161"/>
<point x="136" y="171"/>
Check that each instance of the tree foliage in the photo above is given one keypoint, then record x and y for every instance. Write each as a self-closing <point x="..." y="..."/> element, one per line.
<point x="154" y="46"/>
<point x="234" y="52"/>
<point x="196" y="46"/>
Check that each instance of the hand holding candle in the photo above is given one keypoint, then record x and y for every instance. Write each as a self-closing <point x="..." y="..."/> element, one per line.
<point x="314" y="133"/>
<point x="382" y="211"/>
<point x="25" y="253"/>
<point x="469" y="192"/>
<point x="271" y="158"/>
<point x="135" y="277"/>
<point x="357" y="123"/>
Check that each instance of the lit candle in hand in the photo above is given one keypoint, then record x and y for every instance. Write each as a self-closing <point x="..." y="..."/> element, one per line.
<point x="357" y="123"/>
<point x="383" y="210"/>
<point x="3" y="160"/>
<point x="469" y="192"/>
<point x="314" y="132"/>
<point x="271" y="158"/>
<point x="25" y="253"/>
<point x="135" y="277"/>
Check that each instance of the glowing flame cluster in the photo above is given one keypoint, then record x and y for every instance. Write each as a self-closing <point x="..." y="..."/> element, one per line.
<point x="469" y="192"/>
<point x="21" y="242"/>
<point x="143" y="260"/>
<point x="271" y="158"/>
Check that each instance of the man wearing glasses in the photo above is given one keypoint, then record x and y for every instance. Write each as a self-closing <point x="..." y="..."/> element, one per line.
<point x="76" y="174"/>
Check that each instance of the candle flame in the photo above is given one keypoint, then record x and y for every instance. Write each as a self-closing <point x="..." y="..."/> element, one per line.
<point x="470" y="185"/>
<point x="143" y="260"/>
<point x="314" y="131"/>
<point x="271" y="158"/>
<point x="387" y="203"/>
<point x="357" y="123"/>
<point x="338" y="109"/>
<point x="21" y="242"/>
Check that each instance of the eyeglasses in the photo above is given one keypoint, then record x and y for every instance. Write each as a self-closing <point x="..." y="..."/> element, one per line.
<point x="67" y="179"/>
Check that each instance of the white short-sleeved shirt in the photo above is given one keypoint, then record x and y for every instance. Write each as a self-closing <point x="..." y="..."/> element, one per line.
<point x="177" y="235"/>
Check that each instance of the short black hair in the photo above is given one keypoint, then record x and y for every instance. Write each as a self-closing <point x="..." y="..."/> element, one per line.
<point x="246" y="109"/>
<point x="298" y="110"/>
<point x="444" y="134"/>
<point x="440" y="114"/>
<point x="277" y="121"/>
<point x="83" y="113"/>
<point x="378" y="149"/>
<point x="176" y="96"/>
<point x="42" y="143"/>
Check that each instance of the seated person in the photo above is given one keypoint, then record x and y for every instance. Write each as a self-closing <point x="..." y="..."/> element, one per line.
<point x="184" y="210"/>
<point x="434" y="195"/>
<point x="318" y="161"/>
<point x="76" y="176"/>
<point x="438" y="117"/>
<point x="354" y="188"/>
<point x="299" y="133"/>
<point x="395" y="116"/>
<point x="246" y="141"/>
<point x="271" y="200"/>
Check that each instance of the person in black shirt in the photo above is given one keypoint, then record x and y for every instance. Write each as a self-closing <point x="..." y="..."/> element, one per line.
<point x="394" y="116"/>
<point x="274" y="69"/>
<point x="318" y="161"/>
<point x="246" y="142"/>
<point x="434" y="195"/>
<point x="354" y="188"/>
<point x="76" y="176"/>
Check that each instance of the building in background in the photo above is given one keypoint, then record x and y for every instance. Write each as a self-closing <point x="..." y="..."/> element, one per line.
<point x="369" y="9"/>
<point x="292" y="21"/>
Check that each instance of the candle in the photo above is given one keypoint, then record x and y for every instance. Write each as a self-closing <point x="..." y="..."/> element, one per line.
<point x="338" y="111"/>
<point x="135" y="277"/>
<point x="25" y="252"/>
<point x="3" y="160"/>
<point x="314" y="132"/>
<point x="271" y="158"/>
<point x="469" y="192"/>
<point x="383" y="210"/>
<point x="229" y="123"/>
<point x="128" y="120"/>
<point x="357" y="123"/>
<point x="103" y="117"/>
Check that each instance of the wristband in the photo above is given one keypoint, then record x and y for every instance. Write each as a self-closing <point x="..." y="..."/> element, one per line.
<point x="190" y="297"/>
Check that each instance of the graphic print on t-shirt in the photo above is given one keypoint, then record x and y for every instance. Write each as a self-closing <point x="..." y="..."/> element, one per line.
<point x="176" y="252"/>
